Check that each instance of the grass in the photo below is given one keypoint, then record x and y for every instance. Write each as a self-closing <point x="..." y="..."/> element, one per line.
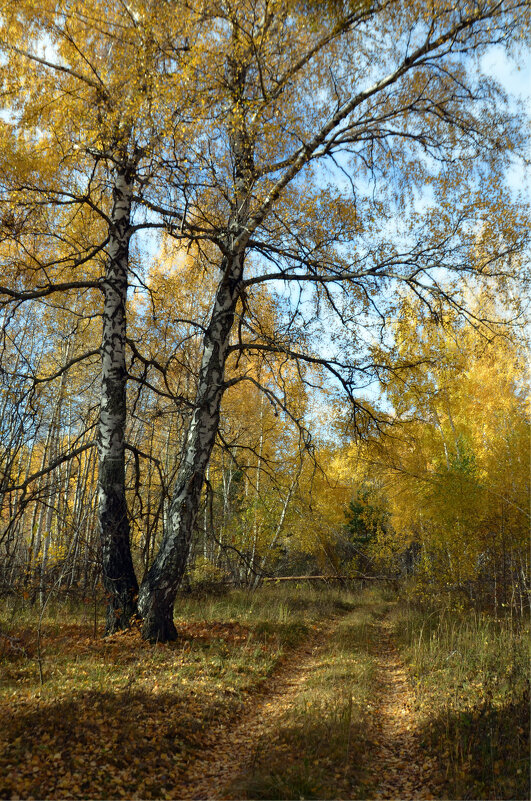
<point x="118" y="717"/>
<point x="471" y="680"/>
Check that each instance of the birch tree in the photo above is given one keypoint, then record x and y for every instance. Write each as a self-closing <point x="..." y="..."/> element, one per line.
<point x="85" y="91"/>
<point x="335" y="152"/>
<point x="322" y="133"/>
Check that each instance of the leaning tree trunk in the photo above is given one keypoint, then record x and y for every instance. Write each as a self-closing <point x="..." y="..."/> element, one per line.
<point x="117" y="565"/>
<point x="159" y="588"/>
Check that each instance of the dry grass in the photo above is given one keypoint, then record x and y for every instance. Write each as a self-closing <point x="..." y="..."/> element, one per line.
<point x="92" y="717"/>
<point x="318" y="747"/>
<point x="471" y="679"/>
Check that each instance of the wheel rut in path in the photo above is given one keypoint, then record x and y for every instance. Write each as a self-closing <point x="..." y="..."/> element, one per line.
<point x="234" y="747"/>
<point x="401" y="769"/>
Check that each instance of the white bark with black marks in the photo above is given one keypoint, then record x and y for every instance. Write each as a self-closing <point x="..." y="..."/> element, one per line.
<point x="159" y="588"/>
<point x="118" y="573"/>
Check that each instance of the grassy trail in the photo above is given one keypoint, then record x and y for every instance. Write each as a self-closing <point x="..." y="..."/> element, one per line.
<point x="340" y="697"/>
<point x="312" y="739"/>
<point x="233" y="749"/>
<point x="381" y="709"/>
<point x="401" y="767"/>
<point x="255" y="758"/>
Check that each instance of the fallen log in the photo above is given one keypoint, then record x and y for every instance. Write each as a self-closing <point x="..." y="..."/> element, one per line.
<point x="328" y="578"/>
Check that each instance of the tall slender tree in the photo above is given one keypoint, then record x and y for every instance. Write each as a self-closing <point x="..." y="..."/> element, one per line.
<point x="87" y="86"/>
<point x="336" y="152"/>
<point x="320" y="132"/>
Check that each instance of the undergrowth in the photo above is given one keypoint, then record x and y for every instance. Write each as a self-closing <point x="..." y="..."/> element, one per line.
<point x="471" y="679"/>
<point x="82" y="716"/>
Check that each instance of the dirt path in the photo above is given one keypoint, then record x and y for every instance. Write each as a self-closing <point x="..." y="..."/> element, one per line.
<point x="401" y="768"/>
<point x="234" y="747"/>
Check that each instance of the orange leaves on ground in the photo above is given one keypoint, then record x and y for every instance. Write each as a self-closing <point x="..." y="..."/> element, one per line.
<point x="116" y="717"/>
<point x="230" y="632"/>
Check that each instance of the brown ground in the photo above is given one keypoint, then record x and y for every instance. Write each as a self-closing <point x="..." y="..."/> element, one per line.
<point x="233" y="748"/>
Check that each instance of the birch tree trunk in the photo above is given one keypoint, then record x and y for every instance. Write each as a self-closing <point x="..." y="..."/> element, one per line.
<point x="260" y="567"/>
<point x="159" y="588"/>
<point x="118" y="573"/>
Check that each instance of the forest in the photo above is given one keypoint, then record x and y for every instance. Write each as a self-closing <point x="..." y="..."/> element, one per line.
<point x="264" y="428"/>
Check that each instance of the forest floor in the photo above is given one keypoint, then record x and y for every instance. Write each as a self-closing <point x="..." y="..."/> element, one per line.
<point x="233" y="748"/>
<point x="275" y="695"/>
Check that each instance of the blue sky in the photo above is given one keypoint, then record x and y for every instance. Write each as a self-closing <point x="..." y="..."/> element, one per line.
<point x="516" y="80"/>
